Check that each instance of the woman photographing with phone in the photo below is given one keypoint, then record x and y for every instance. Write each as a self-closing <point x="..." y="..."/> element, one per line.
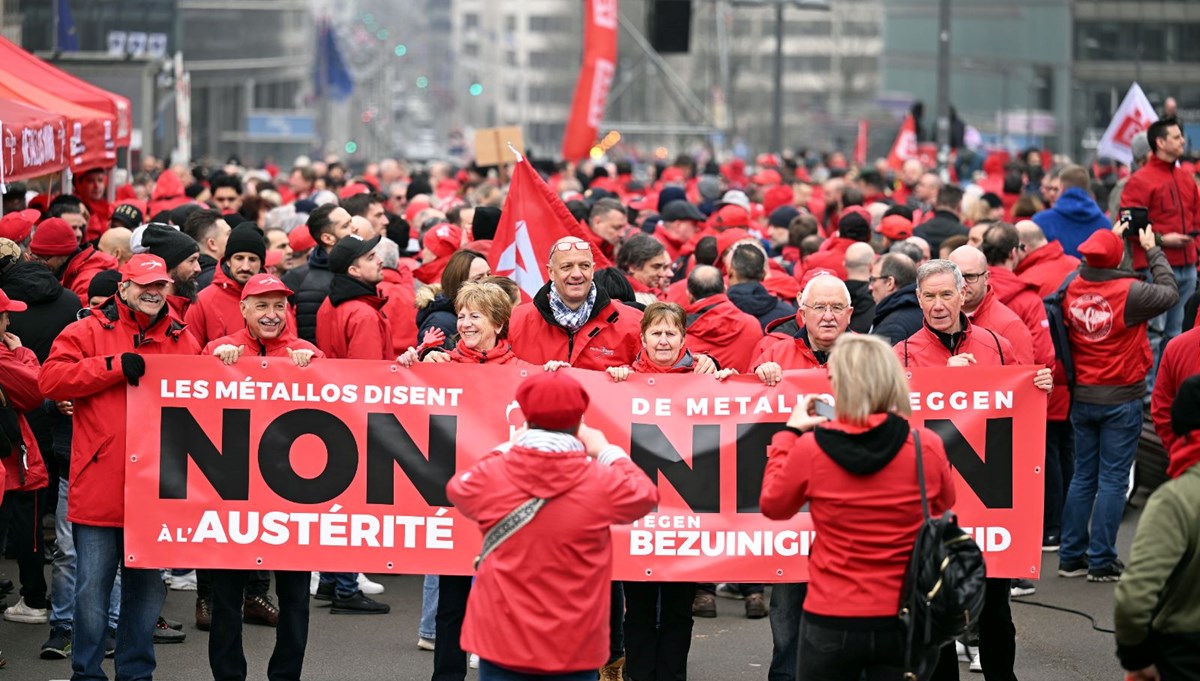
<point x="858" y="473"/>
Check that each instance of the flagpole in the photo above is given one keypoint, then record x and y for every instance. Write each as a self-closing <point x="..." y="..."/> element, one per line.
<point x="57" y="12"/>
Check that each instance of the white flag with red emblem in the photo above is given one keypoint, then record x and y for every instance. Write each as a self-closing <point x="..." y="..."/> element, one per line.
<point x="533" y="218"/>
<point x="905" y="146"/>
<point x="1133" y="116"/>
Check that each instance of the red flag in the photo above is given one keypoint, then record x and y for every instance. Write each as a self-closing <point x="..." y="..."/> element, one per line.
<point x="532" y="219"/>
<point x="595" y="78"/>
<point x="905" y="146"/>
<point x="860" y="144"/>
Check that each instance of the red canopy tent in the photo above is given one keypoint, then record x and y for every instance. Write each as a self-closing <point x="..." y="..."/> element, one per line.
<point x="45" y="76"/>
<point x="90" y="142"/>
<point x="32" y="142"/>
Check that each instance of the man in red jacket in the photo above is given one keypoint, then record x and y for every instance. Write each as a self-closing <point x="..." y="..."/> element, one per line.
<point x="350" y="324"/>
<point x="948" y="338"/>
<point x="89" y="364"/>
<point x="824" y="315"/>
<point x="571" y="320"/>
<point x="217" y="311"/>
<point x="854" y="226"/>
<point x="589" y="485"/>
<point x="54" y="245"/>
<point x="91" y="187"/>
<point x="1106" y="309"/>
<point x="267" y="333"/>
<point x="1180" y="360"/>
<point x="716" y="327"/>
<point x="26" y="472"/>
<point x="983" y="307"/>
<point x="1040" y="262"/>
<point x="1170" y="194"/>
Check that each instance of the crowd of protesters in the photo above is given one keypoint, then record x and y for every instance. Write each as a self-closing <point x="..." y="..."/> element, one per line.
<point x="783" y="264"/>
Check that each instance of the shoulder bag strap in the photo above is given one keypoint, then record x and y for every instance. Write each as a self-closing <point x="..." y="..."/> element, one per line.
<point x="516" y="519"/>
<point x="921" y="473"/>
<point x="998" y="348"/>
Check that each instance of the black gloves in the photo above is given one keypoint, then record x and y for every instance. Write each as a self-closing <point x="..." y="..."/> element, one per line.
<point x="133" y="366"/>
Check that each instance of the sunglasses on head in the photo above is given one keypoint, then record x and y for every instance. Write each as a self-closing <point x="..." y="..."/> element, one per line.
<point x="568" y="245"/>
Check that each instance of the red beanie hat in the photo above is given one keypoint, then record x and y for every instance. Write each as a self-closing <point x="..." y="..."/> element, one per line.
<point x="443" y="240"/>
<point x="552" y="400"/>
<point x="779" y="195"/>
<point x="17" y="226"/>
<point x="53" y="237"/>
<point x="1103" y="249"/>
<point x="301" y="239"/>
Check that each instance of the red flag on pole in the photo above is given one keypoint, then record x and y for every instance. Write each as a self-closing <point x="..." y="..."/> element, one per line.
<point x="860" y="144"/>
<point x="905" y="146"/>
<point x="595" y="78"/>
<point x="533" y="218"/>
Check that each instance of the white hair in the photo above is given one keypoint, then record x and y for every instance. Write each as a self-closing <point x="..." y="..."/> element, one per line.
<point x="820" y="277"/>
<point x="935" y="267"/>
<point x="388" y="252"/>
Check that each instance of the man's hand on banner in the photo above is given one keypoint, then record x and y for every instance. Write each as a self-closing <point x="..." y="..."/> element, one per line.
<point x="300" y="357"/>
<point x="724" y="374"/>
<point x="966" y="359"/>
<point x="229" y="353"/>
<point x="409" y="358"/>
<point x="133" y="366"/>
<point x="769" y="373"/>
<point x="705" y="365"/>
<point x="619" y="374"/>
<point x="555" y="365"/>
<point x="1044" y="380"/>
<point x="437" y="357"/>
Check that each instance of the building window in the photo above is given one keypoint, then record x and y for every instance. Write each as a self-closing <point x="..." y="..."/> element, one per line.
<point x="510" y="57"/>
<point x="815" y="27"/>
<point x="470" y="21"/>
<point x="806" y="63"/>
<point x="510" y="23"/>
<point x="550" y="24"/>
<point x="470" y="49"/>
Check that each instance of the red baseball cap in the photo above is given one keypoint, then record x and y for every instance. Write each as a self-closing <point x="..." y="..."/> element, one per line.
<point x="767" y="177"/>
<point x="301" y="239"/>
<point x="353" y="189"/>
<point x="261" y="284"/>
<point x="144" y="268"/>
<point x="443" y="240"/>
<point x="17" y="226"/>
<point x="552" y="400"/>
<point x="729" y="216"/>
<point x="274" y="257"/>
<point x="9" y="305"/>
<point x="896" y="227"/>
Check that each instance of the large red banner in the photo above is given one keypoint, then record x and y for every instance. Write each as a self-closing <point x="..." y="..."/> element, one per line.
<point x="595" y="78"/>
<point x="342" y="466"/>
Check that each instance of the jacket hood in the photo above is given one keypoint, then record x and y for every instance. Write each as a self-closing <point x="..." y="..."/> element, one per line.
<point x="752" y="298"/>
<point x="898" y="300"/>
<point x="716" y="318"/>
<point x="1053" y="250"/>
<point x="546" y="474"/>
<point x="440" y="303"/>
<point x="345" y="287"/>
<point x="1077" y="206"/>
<point x="30" y="282"/>
<point x="863" y="452"/>
<point x="168" y="186"/>
<point x="223" y="280"/>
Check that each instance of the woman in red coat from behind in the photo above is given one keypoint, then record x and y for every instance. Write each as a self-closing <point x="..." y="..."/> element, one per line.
<point x="858" y="473"/>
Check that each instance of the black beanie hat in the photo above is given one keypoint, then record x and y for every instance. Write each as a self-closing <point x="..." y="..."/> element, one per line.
<point x="170" y="244"/>
<point x="104" y="284"/>
<point x="485" y="222"/>
<point x="1185" y="410"/>
<point x="246" y="238"/>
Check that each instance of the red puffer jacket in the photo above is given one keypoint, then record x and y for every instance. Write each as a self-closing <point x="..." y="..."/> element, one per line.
<point x="82" y="268"/>
<point x="1047" y="268"/>
<point x="217" y="311"/>
<point x="612" y="337"/>
<point x="566" y="550"/>
<point x="717" y="328"/>
<point x="85" y="366"/>
<point x="1022" y="298"/>
<point x="19" y="381"/>
<point x="258" y="347"/>
<point x="925" y="349"/>
<point x="866" y="479"/>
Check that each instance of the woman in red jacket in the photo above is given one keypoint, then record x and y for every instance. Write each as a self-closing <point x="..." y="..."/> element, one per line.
<point x="483" y="311"/>
<point x="858" y="475"/>
<point x="658" y="615"/>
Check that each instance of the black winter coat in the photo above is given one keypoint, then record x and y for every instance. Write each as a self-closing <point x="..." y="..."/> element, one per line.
<point x="51" y="307"/>
<point x="753" y="299"/>
<point x="898" y="316"/>
<point x="439" y="314"/>
<point x="864" y="306"/>
<point x="311" y="284"/>
<point x="938" y="228"/>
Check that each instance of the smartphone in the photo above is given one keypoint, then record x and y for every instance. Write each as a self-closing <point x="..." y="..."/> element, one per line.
<point x="1137" y="217"/>
<point x="824" y="409"/>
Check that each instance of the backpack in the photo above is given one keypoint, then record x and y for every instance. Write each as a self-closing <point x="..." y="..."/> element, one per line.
<point x="943" y="591"/>
<point x="1057" y="318"/>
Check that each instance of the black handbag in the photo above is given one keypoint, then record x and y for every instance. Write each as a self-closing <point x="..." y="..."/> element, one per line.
<point x="944" y="588"/>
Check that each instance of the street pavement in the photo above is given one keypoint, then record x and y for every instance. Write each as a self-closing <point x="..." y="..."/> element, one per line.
<point x="1051" y="646"/>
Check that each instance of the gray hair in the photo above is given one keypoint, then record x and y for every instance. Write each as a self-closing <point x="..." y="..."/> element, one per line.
<point x="934" y="267"/>
<point x="820" y="277"/>
<point x="388" y="252"/>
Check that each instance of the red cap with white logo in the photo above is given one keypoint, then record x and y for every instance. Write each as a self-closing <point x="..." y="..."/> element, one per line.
<point x="261" y="284"/>
<point x="143" y="269"/>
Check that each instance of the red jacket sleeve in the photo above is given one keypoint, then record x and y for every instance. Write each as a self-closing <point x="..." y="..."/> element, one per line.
<point x="1138" y="190"/>
<point x="1166" y="384"/>
<point x="785" y="481"/>
<point x="69" y="371"/>
<point x="19" y="378"/>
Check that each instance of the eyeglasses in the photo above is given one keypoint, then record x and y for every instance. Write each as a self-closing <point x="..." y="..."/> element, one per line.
<point x="836" y="308"/>
<point x="873" y="279"/>
<point x="972" y="278"/>
<point x="568" y="245"/>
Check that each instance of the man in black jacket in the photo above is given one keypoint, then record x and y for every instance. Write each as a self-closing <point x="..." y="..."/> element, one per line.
<point x="894" y="287"/>
<point x="328" y="224"/>
<point x="747" y="269"/>
<point x="858" y="260"/>
<point x="944" y="223"/>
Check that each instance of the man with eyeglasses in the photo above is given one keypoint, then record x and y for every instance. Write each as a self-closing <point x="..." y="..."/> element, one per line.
<point x="950" y="338"/>
<point x="983" y="307"/>
<point x="572" y="320"/>
<point x="893" y="284"/>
